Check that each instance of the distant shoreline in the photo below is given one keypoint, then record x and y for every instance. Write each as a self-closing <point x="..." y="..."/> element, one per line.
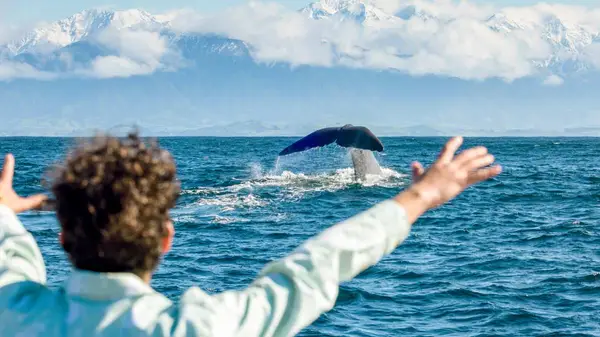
<point x="297" y="136"/>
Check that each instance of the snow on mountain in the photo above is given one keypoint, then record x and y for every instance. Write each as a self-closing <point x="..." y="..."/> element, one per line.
<point x="567" y="39"/>
<point x="355" y="10"/>
<point x="80" y="26"/>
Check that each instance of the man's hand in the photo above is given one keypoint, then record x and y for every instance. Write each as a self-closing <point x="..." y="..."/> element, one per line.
<point x="9" y="197"/>
<point x="447" y="177"/>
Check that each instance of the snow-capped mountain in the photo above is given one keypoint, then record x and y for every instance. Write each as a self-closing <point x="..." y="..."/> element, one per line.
<point x="356" y="10"/>
<point x="80" y="26"/>
<point x="45" y="47"/>
<point x="567" y="39"/>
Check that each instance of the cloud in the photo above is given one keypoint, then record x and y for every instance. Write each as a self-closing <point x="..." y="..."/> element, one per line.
<point x="417" y="37"/>
<point x="137" y="52"/>
<point x="464" y="48"/>
<point x="130" y="51"/>
<point x="553" y="80"/>
<point x="274" y="33"/>
<point x="17" y="70"/>
<point x="592" y="54"/>
<point x="115" y="66"/>
<point x="443" y="9"/>
<point x="434" y="38"/>
<point x="542" y="13"/>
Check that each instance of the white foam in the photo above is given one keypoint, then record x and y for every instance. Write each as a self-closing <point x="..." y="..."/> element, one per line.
<point x="289" y="186"/>
<point x="228" y="202"/>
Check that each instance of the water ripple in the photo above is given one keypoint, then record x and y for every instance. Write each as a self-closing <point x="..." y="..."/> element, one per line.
<point x="515" y="256"/>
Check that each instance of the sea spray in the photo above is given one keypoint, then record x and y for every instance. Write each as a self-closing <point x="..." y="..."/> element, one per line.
<point x="276" y="166"/>
<point x="256" y="171"/>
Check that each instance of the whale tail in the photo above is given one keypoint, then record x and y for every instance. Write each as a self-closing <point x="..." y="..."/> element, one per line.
<point x="364" y="163"/>
<point x="359" y="139"/>
<point x="349" y="136"/>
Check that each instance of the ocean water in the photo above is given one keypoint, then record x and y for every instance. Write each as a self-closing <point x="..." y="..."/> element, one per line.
<point x="515" y="256"/>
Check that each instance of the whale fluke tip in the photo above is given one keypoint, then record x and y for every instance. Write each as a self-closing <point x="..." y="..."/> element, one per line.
<point x="351" y="136"/>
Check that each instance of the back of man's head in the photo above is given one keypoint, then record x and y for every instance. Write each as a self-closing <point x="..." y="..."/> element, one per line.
<point x="113" y="197"/>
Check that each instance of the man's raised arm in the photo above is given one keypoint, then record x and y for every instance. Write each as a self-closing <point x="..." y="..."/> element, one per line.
<point x="291" y="293"/>
<point x="20" y="257"/>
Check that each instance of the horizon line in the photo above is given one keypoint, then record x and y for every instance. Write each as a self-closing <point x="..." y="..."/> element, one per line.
<point x="271" y="136"/>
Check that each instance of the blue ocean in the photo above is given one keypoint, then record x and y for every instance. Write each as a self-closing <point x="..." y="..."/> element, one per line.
<point x="518" y="255"/>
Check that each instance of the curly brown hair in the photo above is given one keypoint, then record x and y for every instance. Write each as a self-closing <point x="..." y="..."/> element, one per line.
<point x="113" y="197"/>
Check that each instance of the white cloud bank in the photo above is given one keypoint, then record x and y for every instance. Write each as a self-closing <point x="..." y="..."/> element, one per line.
<point x="443" y="37"/>
<point x="137" y="53"/>
<point x="16" y="70"/>
<point x="134" y="52"/>
<point x="553" y="80"/>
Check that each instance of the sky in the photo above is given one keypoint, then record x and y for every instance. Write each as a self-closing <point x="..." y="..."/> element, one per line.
<point x="32" y="11"/>
<point x="452" y="71"/>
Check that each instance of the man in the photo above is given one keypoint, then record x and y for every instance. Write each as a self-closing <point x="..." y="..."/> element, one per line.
<point x="113" y="199"/>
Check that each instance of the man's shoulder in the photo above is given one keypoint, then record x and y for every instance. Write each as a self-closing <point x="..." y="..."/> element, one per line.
<point x="22" y="301"/>
<point x="21" y="289"/>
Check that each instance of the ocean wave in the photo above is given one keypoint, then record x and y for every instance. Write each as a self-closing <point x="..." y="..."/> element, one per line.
<point x="264" y="188"/>
<point x="516" y="256"/>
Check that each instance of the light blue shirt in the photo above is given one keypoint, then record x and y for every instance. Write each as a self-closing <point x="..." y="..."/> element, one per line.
<point x="288" y="295"/>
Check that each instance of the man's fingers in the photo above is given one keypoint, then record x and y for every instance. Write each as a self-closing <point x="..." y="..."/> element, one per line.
<point x="479" y="162"/>
<point x="32" y="202"/>
<point x="450" y="149"/>
<point x="484" y="174"/>
<point x="469" y="155"/>
<point x="8" y="169"/>
<point x="417" y="170"/>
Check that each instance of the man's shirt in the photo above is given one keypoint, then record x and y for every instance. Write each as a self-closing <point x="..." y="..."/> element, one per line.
<point x="288" y="294"/>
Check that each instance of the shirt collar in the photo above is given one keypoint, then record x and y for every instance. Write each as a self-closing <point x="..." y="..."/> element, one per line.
<point x="105" y="286"/>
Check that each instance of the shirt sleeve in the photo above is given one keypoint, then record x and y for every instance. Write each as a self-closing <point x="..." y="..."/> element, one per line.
<point x="20" y="257"/>
<point x="291" y="293"/>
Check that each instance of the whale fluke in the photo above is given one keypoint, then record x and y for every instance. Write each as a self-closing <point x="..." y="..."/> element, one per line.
<point x="348" y="135"/>
<point x="359" y="139"/>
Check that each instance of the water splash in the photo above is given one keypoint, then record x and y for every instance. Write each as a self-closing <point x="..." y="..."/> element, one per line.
<point x="255" y="170"/>
<point x="264" y="188"/>
<point x="276" y="166"/>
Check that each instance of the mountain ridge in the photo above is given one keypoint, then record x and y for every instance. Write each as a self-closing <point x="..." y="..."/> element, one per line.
<point x="568" y="42"/>
<point x="254" y="128"/>
<point x="180" y="73"/>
